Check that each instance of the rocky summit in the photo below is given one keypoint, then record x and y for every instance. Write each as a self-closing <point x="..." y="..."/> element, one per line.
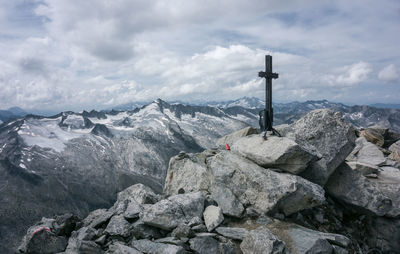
<point x="323" y="187"/>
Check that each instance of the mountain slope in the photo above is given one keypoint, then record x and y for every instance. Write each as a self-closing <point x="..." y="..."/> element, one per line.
<point x="78" y="162"/>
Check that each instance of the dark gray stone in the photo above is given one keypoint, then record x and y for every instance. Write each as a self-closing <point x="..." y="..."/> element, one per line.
<point x="204" y="244"/>
<point x="233" y="233"/>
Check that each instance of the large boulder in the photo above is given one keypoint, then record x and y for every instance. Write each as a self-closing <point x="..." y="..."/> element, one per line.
<point x="325" y="134"/>
<point x="235" y="182"/>
<point x="233" y="137"/>
<point x="118" y="226"/>
<point x="188" y="172"/>
<point x="167" y="214"/>
<point x="260" y="188"/>
<point x="261" y="240"/>
<point x="274" y="152"/>
<point x="374" y="136"/>
<point x="379" y="196"/>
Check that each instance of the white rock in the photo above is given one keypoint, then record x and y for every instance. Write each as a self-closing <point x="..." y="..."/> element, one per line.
<point x="213" y="217"/>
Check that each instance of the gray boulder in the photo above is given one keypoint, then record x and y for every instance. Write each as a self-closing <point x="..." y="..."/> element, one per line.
<point x="118" y="226"/>
<point x="188" y="173"/>
<point x="275" y="152"/>
<point x="233" y="137"/>
<point x="261" y="240"/>
<point x="263" y="189"/>
<point x="379" y="196"/>
<point x="169" y="213"/>
<point x="213" y="217"/>
<point x="204" y="244"/>
<point x="149" y="247"/>
<point x="82" y="246"/>
<point x="141" y="230"/>
<point x="227" y="201"/>
<point x="323" y="133"/>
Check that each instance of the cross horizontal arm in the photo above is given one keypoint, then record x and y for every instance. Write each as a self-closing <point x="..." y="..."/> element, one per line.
<point x="271" y="75"/>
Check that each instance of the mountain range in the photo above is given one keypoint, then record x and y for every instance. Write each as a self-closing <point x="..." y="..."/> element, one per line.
<point x="77" y="162"/>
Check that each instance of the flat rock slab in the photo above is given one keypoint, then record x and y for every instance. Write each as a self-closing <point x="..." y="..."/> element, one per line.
<point x="369" y="153"/>
<point x="122" y="249"/>
<point x="275" y="152"/>
<point x="233" y="137"/>
<point x="232" y="233"/>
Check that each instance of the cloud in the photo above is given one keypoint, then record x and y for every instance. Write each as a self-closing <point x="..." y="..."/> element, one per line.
<point x="355" y="73"/>
<point x="96" y="53"/>
<point x="389" y="74"/>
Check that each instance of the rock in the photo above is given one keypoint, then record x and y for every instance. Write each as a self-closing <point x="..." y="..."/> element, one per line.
<point x="365" y="169"/>
<point x="173" y="240"/>
<point x="275" y="152"/>
<point x="369" y="153"/>
<point x="141" y="230"/>
<point x="204" y="244"/>
<point x="84" y="233"/>
<point x="384" y="233"/>
<point x="195" y="221"/>
<point x="339" y="250"/>
<point x="299" y="239"/>
<point x="189" y="173"/>
<point x="395" y="156"/>
<point x="101" y="240"/>
<point x="231" y="138"/>
<point x="213" y="217"/>
<point x="261" y="240"/>
<point x="133" y="210"/>
<point x="228" y="247"/>
<point x="323" y="133"/>
<point x="378" y="196"/>
<point x="395" y="147"/>
<point x="229" y="204"/>
<point x="119" y="248"/>
<point x="263" y="189"/>
<point x="232" y="233"/>
<point x="42" y="240"/>
<point x="140" y="193"/>
<point x="97" y="218"/>
<point x="182" y="231"/>
<point x="133" y="197"/>
<point x="118" y="226"/>
<point x="169" y="213"/>
<point x="199" y="228"/>
<point x="87" y="247"/>
<point x="373" y="136"/>
<point x="65" y="224"/>
<point x="147" y="246"/>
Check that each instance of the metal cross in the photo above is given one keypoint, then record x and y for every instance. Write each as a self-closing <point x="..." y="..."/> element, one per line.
<point x="267" y="115"/>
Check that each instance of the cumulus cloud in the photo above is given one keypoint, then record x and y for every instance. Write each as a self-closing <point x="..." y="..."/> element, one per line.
<point x="389" y="74"/>
<point x="355" y="73"/>
<point x="96" y="53"/>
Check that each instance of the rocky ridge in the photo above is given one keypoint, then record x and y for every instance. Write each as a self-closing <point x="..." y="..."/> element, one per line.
<point x="231" y="201"/>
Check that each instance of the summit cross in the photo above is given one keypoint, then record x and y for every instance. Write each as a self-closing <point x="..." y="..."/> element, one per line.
<point x="267" y="115"/>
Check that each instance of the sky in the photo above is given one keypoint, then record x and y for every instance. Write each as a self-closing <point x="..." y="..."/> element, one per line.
<point x="95" y="54"/>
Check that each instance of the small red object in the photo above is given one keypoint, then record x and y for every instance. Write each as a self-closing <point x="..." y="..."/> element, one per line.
<point x="40" y="229"/>
<point x="227" y="147"/>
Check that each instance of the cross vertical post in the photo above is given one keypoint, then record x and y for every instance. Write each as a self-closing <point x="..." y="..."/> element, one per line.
<point x="267" y="115"/>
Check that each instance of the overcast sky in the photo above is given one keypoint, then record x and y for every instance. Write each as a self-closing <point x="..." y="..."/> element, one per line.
<point x="74" y="54"/>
